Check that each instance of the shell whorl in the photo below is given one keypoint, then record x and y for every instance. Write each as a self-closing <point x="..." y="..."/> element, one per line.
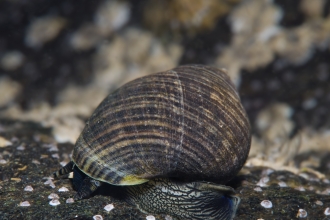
<point x="187" y="123"/>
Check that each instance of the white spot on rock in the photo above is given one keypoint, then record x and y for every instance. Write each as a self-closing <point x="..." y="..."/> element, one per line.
<point x="14" y="139"/>
<point x="70" y="200"/>
<point x="326" y="191"/>
<point x="35" y="161"/>
<point x="266" y="204"/>
<point x="53" y="196"/>
<point x="54" y="202"/>
<point x="43" y="30"/>
<point x="327" y="211"/>
<point x="150" y="217"/>
<point x="97" y="217"/>
<point x="53" y="148"/>
<point x="300" y="188"/>
<point x="63" y="189"/>
<point x="21" y="147"/>
<point x="311" y="188"/>
<point x="282" y="184"/>
<point x="266" y="172"/>
<point x="111" y="16"/>
<point x="109" y="207"/>
<point x="50" y="183"/>
<point x="263" y="181"/>
<point x="257" y="189"/>
<point x="167" y="217"/>
<point x="12" y="60"/>
<point x="326" y="180"/>
<point x="28" y="189"/>
<point x="304" y="175"/>
<point x="302" y="213"/>
<point x="4" y="142"/>
<point x="309" y="103"/>
<point x="63" y="163"/>
<point x="2" y="161"/>
<point x="318" y="202"/>
<point x="9" y="90"/>
<point x="47" y="178"/>
<point x="56" y="156"/>
<point x="24" y="204"/>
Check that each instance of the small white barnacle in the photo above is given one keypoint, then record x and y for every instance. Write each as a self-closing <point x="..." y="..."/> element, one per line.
<point x="97" y="217"/>
<point x="167" y="217"/>
<point x="150" y="217"/>
<point x="311" y="188"/>
<point x="20" y="147"/>
<point x="304" y="175"/>
<point x="24" y="204"/>
<point x="35" y="162"/>
<point x="53" y="148"/>
<point x="263" y="181"/>
<point x="109" y="207"/>
<point x="318" y="202"/>
<point x="56" y="156"/>
<point x="63" y="189"/>
<point x="282" y="184"/>
<point x="300" y="188"/>
<point x="28" y="189"/>
<point x="54" y="202"/>
<point x="266" y="204"/>
<point x="50" y="183"/>
<point x="53" y="196"/>
<point x="326" y="191"/>
<point x="327" y="211"/>
<point x="266" y="172"/>
<point x="63" y="163"/>
<point x="70" y="200"/>
<point x="301" y="213"/>
<point x="257" y="189"/>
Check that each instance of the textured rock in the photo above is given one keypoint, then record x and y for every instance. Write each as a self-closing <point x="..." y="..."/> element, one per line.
<point x="22" y="170"/>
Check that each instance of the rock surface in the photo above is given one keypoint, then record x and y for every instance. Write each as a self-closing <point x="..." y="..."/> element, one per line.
<point x="33" y="164"/>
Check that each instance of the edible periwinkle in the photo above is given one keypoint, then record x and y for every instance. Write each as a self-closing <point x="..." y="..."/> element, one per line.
<point x="172" y="138"/>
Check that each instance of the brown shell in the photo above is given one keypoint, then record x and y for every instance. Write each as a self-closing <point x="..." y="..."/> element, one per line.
<point x="186" y="123"/>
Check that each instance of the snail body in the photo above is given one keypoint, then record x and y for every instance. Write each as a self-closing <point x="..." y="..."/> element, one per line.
<point x="180" y="128"/>
<point x="185" y="200"/>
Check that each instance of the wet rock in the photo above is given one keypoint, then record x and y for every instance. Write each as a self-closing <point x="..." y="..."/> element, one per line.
<point x="19" y="203"/>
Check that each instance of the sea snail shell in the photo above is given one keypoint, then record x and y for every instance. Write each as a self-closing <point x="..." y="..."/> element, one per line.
<point x="175" y="129"/>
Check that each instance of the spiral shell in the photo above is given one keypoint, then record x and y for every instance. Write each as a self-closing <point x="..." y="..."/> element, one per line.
<point x="185" y="123"/>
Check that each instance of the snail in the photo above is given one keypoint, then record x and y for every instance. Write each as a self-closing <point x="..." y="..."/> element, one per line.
<point x="172" y="139"/>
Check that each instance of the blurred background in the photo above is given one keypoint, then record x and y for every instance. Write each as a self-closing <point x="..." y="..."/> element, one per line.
<point x="60" y="58"/>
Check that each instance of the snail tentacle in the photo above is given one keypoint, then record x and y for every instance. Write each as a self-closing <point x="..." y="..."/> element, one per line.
<point x="64" y="171"/>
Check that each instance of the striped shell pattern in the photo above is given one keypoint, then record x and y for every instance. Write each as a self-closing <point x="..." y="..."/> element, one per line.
<point x="185" y="123"/>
